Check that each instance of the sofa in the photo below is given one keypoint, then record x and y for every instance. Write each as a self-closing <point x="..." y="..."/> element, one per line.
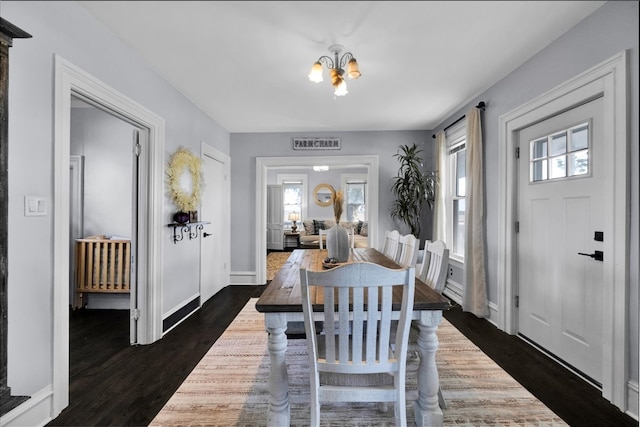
<point x="309" y="233"/>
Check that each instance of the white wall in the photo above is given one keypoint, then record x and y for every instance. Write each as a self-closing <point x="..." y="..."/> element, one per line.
<point x="605" y="33"/>
<point x="65" y="29"/>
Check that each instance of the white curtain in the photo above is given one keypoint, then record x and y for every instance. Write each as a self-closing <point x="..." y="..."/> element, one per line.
<point x="474" y="298"/>
<point x="439" y="206"/>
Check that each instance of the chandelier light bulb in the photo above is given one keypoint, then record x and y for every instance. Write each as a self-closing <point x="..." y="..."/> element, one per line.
<point x="353" y="70"/>
<point x="316" y="73"/>
<point x="341" y="88"/>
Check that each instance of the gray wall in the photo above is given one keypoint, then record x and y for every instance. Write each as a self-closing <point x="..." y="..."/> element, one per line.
<point x="64" y="28"/>
<point x="245" y="147"/>
<point x="605" y="33"/>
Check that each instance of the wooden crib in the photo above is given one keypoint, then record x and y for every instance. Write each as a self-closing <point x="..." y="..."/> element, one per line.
<point x="102" y="265"/>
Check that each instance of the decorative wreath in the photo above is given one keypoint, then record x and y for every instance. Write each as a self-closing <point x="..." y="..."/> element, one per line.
<point x="184" y="160"/>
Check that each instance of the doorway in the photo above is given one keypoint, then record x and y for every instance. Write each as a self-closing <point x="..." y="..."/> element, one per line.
<point x="607" y="80"/>
<point x="371" y="162"/>
<point x="103" y="193"/>
<point x="70" y="80"/>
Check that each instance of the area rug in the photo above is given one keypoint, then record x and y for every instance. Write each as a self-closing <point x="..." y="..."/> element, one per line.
<point x="229" y="387"/>
<point x="274" y="262"/>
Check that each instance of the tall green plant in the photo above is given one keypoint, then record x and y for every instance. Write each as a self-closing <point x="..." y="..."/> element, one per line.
<point x="412" y="188"/>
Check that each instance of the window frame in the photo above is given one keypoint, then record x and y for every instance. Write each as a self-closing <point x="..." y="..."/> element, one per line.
<point x="345" y="179"/>
<point x="455" y="137"/>
<point x="282" y="179"/>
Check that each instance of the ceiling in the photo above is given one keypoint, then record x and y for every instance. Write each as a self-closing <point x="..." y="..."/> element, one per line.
<point x="246" y="63"/>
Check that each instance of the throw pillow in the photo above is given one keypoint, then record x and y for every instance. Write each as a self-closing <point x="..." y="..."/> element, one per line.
<point x="317" y="226"/>
<point x="364" y="231"/>
<point x="308" y="226"/>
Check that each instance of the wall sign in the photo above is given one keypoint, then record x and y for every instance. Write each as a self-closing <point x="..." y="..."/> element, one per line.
<point x="316" y="143"/>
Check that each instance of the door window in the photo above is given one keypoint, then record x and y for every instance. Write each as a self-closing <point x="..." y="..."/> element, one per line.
<point x="560" y="155"/>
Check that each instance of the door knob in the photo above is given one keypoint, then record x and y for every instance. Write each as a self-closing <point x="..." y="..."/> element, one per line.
<point x="597" y="255"/>
<point x="205" y="234"/>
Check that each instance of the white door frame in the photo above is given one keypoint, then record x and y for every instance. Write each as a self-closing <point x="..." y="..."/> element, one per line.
<point x="69" y="80"/>
<point x="221" y="228"/>
<point x="263" y="163"/>
<point x="608" y="79"/>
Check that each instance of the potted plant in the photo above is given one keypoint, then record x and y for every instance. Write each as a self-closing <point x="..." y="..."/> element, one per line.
<point x="412" y="188"/>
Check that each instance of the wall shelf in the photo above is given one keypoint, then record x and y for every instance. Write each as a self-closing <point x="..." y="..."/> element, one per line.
<point x="189" y="229"/>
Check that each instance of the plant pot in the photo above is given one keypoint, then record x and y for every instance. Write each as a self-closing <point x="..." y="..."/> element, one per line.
<point x="181" y="217"/>
<point x="338" y="243"/>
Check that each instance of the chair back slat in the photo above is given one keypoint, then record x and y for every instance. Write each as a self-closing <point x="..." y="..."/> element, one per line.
<point x="435" y="264"/>
<point x="390" y="248"/>
<point x="408" y="248"/>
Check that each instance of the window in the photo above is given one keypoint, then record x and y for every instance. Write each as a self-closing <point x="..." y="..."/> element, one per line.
<point x="355" y="194"/>
<point x="456" y="189"/>
<point x="294" y="191"/>
<point x="560" y="155"/>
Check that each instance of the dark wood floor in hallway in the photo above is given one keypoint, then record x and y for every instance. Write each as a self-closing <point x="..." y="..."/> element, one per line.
<point x="115" y="384"/>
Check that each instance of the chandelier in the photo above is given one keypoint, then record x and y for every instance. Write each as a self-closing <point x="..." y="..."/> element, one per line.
<point x="336" y="66"/>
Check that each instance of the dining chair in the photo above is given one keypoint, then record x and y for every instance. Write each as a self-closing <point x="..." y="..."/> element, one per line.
<point x="433" y="270"/>
<point x="322" y="238"/>
<point x="355" y="306"/>
<point x="408" y="248"/>
<point x="352" y="237"/>
<point x="390" y="248"/>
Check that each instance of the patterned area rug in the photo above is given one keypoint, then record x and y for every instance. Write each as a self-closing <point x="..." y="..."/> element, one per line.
<point x="274" y="262"/>
<point x="230" y="386"/>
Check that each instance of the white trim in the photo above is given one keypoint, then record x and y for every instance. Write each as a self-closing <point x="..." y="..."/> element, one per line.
<point x="610" y="80"/>
<point x="69" y="80"/>
<point x="34" y="412"/>
<point x="243" y="278"/>
<point x="263" y="163"/>
<point x="632" y="406"/>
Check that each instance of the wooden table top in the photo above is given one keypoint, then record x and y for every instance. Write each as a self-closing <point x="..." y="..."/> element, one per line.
<point x="283" y="293"/>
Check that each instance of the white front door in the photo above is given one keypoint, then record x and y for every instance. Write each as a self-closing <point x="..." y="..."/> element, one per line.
<point x="560" y="201"/>
<point x="213" y="264"/>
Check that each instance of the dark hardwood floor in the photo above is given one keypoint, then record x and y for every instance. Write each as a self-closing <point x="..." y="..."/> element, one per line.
<point x="115" y="384"/>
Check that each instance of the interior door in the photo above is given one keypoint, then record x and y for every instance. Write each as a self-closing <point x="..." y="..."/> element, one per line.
<point x="275" y="217"/>
<point x="560" y="265"/>
<point x="213" y="272"/>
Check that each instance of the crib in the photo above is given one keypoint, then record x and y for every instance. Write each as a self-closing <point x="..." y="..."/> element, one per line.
<point x="103" y="265"/>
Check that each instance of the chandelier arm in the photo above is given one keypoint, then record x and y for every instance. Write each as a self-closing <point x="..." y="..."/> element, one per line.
<point x="327" y="61"/>
<point x="345" y="58"/>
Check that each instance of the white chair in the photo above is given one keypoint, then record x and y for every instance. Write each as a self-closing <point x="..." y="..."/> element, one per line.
<point x="357" y="340"/>
<point x="390" y="248"/>
<point x="408" y="248"/>
<point x="322" y="238"/>
<point x="352" y="237"/>
<point x="433" y="270"/>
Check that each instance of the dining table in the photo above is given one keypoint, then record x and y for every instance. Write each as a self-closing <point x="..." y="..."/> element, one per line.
<point x="281" y="303"/>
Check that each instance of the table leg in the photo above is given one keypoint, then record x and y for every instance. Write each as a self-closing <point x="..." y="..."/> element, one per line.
<point x="427" y="409"/>
<point x="279" y="412"/>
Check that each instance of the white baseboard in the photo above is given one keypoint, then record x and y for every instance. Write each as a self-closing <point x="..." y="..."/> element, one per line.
<point x="243" y="278"/>
<point x="632" y="399"/>
<point x="180" y="305"/>
<point x="453" y="290"/>
<point x="34" y="412"/>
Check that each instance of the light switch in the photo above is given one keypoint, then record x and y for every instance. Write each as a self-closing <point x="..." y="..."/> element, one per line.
<point x="35" y="206"/>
